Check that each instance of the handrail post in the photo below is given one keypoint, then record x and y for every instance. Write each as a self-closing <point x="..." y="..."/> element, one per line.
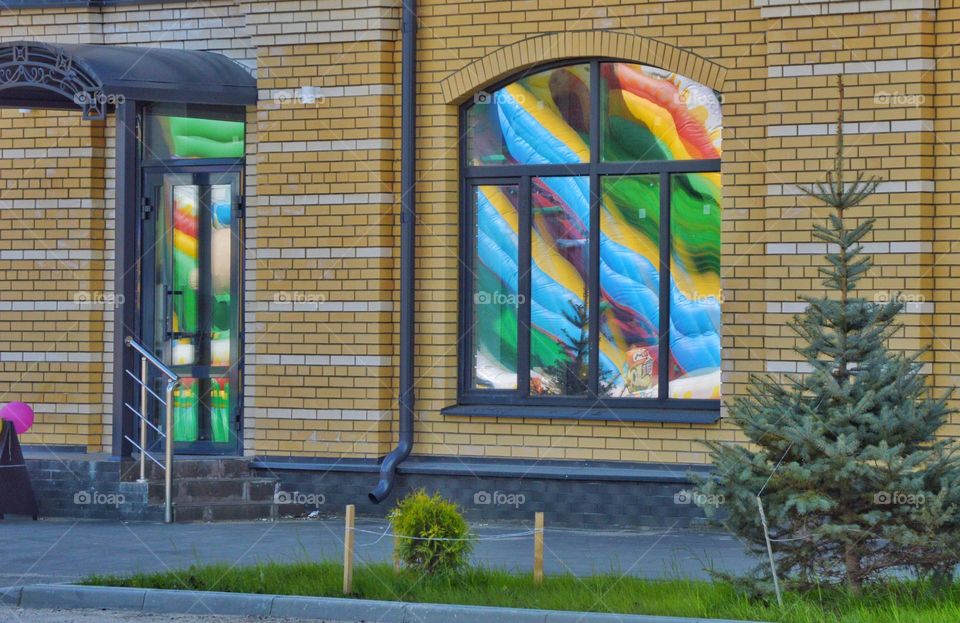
<point x="143" y="418"/>
<point x="173" y="380"/>
<point x="168" y="451"/>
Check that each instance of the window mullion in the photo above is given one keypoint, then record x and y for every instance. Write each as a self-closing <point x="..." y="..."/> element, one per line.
<point x="524" y="287"/>
<point x="663" y="341"/>
<point x="593" y="272"/>
<point x="468" y="253"/>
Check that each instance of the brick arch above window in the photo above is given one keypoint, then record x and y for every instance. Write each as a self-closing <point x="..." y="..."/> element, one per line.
<point x="545" y="48"/>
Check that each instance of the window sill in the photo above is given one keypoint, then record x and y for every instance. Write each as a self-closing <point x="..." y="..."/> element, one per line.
<point x="622" y="414"/>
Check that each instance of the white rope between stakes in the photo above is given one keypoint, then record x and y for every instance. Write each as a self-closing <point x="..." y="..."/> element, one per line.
<point x="605" y="533"/>
<point x="386" y="533"/>
<point x="510" y="536"/>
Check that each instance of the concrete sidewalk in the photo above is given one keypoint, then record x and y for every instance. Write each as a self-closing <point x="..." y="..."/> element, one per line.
<point x="58" y="550"/>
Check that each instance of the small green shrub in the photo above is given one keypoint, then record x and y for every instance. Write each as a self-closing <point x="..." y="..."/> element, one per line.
<point x="420" y="516"/>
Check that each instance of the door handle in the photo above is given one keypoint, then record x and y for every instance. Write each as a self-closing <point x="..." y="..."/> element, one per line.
<point x="168" y="334"/>
<point x="180" y="335"/>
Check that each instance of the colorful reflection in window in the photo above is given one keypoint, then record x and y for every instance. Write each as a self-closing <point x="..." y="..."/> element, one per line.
<point x="695" y="285"/>
<point x="541" y="118"/>
<point x="652" y="114"/>
<point x="559" y="313"/>
<point x="187" y="401"/>
<point x="186" y="281"/>
<point x="630" y="286"/>
<point x="171" y="137"/>
<point x="221" y="274"/>
<point x="648" y="120"/>
<point x="495" y="287"/>
<point x="186" y="410"/>
<point x="195" y="306"/>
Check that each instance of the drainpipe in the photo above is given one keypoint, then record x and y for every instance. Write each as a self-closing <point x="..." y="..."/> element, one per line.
<point x="408" y="138"/>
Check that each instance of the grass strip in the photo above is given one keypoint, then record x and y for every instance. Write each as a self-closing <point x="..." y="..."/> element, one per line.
<point x="897" y="602"/>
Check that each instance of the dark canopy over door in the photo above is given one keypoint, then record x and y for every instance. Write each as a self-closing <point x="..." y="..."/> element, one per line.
<point x="94" y="78"/>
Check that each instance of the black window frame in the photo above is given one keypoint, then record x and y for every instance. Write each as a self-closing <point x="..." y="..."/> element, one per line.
<point x="518" y="402"/>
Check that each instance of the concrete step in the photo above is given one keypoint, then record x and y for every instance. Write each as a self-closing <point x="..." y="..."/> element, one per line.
<point x="187" y="490"/>
<point x="190" y="467"/>
<point x="210" y="489"/>
<point x="225" y="511"/>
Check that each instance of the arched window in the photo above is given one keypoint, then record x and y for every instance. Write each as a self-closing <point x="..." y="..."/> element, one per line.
<point x="591" y="242"/>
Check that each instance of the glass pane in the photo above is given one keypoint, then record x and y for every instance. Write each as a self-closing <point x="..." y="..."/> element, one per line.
<point x="172" y="136"/>
<point x="559" y="256"/>
<point x="221" y="268"/>
<point x="185" y="275"/>
<point x="218" y="402"/>
<point x="630" y="286"/>
<point x="652" y="114"/>
<point x="695" y="288"/>
<point x="195" y="318"/>
<point x="195" y="396"/>
<point x="543" y="118"/>
<point x="495" y="287"/>
<point x="186" y="410"/>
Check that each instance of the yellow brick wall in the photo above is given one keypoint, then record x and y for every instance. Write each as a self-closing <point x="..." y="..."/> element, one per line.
<point x="944" y="269"/>
<point x="468" y="45"/>
<point x="53" y="294"/>
<point x="781" y="59"/>
<point x="52" y="207"/>
<point x="322" y="244"/>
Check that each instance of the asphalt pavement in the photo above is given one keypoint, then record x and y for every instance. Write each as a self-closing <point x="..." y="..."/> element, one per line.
<point x="59" y="550"/>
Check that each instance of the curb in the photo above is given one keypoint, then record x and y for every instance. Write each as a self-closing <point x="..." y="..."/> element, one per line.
<point x="150" y="600"/>
<point x="10" y="595"/>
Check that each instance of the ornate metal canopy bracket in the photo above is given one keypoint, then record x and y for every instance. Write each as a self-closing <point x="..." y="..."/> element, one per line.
<point x="43" y="66"/>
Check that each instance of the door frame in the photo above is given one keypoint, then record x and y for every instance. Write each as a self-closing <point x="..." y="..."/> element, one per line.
<point x="146" y="300"/>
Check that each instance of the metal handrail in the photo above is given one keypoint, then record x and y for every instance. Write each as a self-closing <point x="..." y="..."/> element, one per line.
<point x="137" y="380"/>
<point x="159" y="365"/>
<point x="146" y="357"/>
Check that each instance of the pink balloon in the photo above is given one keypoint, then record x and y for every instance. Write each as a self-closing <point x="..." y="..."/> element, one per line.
<point x="20" y="414"/>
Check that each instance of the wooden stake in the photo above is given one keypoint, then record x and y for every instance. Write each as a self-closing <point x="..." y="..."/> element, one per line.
<point x="773" y="565"/>
<point x="348" y="550"/>
<point x="396" y="553"/>
<point x="538" y="549"/>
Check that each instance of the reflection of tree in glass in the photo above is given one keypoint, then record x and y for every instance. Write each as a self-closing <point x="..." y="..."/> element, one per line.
<point x="571" y="376"/>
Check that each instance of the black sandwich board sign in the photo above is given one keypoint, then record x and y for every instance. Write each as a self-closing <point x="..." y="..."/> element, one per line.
<point x="16" y="493"/>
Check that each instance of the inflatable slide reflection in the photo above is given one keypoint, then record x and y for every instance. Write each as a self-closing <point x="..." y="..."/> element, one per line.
<point x="648" y="115"/>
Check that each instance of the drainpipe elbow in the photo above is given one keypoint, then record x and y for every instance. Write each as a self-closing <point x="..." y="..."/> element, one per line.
<point x="388" y="472"/>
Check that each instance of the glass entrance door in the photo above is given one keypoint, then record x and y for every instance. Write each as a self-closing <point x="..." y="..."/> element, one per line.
<point x="191" y="291"/>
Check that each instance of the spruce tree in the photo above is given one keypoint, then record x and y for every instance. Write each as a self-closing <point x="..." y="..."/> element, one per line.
<point x="846" y="459"/>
